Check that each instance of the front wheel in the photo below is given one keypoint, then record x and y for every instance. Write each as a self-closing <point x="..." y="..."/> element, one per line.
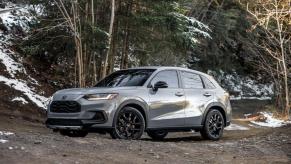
<point x="128" y="124"/>
<point x="213" y="125"/>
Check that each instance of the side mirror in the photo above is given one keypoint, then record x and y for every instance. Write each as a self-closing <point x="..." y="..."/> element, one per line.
<point x="159" y="84"/>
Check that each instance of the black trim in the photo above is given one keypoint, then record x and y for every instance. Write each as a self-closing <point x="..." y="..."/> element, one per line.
<point x="178" y="129"/>
<point x="76" y="122"/>
<point x="65" y="107"/>
<point x="204" y="87"/>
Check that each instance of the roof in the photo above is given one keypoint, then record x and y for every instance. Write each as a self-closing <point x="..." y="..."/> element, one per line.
<point x="169" y="67"/>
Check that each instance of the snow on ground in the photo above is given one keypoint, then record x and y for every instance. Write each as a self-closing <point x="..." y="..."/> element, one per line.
<point x="20" y="85"/>
<point x="249" y="98"/>
<point x="12" y="62"/>
<point x="20" y="99"/>
<point x="3" y="141"/>
<point x="12" y="67"/>
<point x="270" y="121"/>
<point x="4" y="134"/>
<point x="236" y="127"/>
<point x="243" y="87"/>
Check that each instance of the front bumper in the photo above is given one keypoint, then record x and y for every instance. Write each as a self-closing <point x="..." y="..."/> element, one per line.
<point x="74" y="124"/>
<point x="92" y="114"/>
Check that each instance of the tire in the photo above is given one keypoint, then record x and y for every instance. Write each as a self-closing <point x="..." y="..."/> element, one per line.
<point x="157" y="135"/>
<point x="128" y="124"/>
<point x="213" y="125"/>
<point x="74" y="133"/>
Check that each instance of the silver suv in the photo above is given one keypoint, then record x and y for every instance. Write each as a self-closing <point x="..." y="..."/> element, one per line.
<point x="157" y="100"/>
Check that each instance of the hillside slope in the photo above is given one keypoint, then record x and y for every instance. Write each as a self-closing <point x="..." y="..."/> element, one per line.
<point x="20" y="92"/>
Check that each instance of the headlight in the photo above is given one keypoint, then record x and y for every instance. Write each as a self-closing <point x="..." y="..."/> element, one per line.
<point x="100" y="96"/>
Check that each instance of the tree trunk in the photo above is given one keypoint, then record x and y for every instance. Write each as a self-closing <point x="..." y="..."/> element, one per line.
<point x="104" y="72"/>
<point x="125" y="49"/>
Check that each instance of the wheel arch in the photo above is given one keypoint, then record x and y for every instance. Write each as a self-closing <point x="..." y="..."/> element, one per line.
<point x="140" y="106"/>
<point x="218" y="106"/>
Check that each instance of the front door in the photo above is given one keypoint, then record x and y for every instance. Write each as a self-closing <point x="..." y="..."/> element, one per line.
<point x="166" y="105"/>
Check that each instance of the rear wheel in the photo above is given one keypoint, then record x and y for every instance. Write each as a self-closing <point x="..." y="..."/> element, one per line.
<point x="74" y="133"/>
<point x="157" y="134"/>
<point x="213" y="125"/>
<point x="129" y="124"/>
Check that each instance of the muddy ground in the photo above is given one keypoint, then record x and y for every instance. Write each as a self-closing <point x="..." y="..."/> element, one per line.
<point x="33" y="143"/>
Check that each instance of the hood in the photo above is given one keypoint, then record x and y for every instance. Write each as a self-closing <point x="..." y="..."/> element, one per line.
<point x="83" y="91"/>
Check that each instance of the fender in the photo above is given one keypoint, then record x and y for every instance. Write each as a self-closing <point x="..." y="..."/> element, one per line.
<point x="209" y="106"/>
<point x="132" y="101"/>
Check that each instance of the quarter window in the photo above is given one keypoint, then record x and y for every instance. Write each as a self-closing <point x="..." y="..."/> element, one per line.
<point x="208" y="84"/>
<point x="191" y="80"/>
<point x="170" y="77"/>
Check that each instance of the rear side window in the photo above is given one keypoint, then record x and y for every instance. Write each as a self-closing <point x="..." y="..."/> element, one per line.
<point x="191" y="80"/>
<point x="208" y="84"/>
<point x="169" y="76"/>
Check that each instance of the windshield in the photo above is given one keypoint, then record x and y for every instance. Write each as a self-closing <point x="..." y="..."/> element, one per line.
<point x="131" y="77"/>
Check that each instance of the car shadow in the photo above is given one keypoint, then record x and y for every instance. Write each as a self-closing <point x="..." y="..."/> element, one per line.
<point x="177" y="139"/>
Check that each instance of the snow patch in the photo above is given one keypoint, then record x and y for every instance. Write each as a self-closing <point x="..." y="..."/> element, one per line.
<point x="21" y="17"/>
<point x="11" y="66"/>
<point x="249" y="98"/>
<point x="5" y="133"/>
<point x="236" y="127"/>
<point x="3" y="141"/>
<point x="243" y="87"/>
<point x="20" y="85"/>
<point x="270" y="121"/>
<point x="20" y="99"/>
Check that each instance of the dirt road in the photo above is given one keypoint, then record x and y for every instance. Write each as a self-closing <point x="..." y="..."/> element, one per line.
<point x="33" y="143"/>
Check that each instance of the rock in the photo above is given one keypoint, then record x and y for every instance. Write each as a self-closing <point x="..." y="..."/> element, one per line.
<point x="2" y="5"/>
<point x="37" y="142"/>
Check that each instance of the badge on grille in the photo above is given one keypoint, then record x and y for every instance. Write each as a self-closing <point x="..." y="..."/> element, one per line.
<point x="64" y="97"/>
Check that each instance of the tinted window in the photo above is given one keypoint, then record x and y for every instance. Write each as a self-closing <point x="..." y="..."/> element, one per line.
<point x="170" y="77"/>
<point x="208" y="84"/>
<point x="134" y="77"/>
<point x="191" y="80"/>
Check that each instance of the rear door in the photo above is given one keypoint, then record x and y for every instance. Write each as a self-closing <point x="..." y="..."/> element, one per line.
<point x="197" y="97"/>
<point x="166" y="106"/>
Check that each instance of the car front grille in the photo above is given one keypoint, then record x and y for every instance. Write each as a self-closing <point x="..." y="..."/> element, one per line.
<point x="65" y="107"/>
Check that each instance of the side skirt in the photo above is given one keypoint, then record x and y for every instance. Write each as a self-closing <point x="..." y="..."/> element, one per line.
<point x="178" y="129"/>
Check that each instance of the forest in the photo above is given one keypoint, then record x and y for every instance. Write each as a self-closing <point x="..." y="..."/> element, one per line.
<point x="56" y="52"/>
<point x="85" y="40"/>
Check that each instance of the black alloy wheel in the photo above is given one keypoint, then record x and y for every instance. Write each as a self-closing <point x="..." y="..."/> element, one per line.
<point x="213" y="126"/>
<point x="129" y="124"/>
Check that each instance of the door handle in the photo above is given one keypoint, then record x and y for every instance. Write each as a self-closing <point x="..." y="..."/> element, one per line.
<point x="206" y="94"/>
<point x="179" y="94"/>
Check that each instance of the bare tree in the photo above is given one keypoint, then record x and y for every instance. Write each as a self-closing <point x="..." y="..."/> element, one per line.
<point x="73" y="22"/>
<point x="104" y="71"/>
<point x="273" y="16"/>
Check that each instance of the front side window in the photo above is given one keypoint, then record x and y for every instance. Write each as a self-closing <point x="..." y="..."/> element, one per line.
<point x="191" y="80"/>
<point x="169" y="76"/>
<point x="131" y="77"/>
